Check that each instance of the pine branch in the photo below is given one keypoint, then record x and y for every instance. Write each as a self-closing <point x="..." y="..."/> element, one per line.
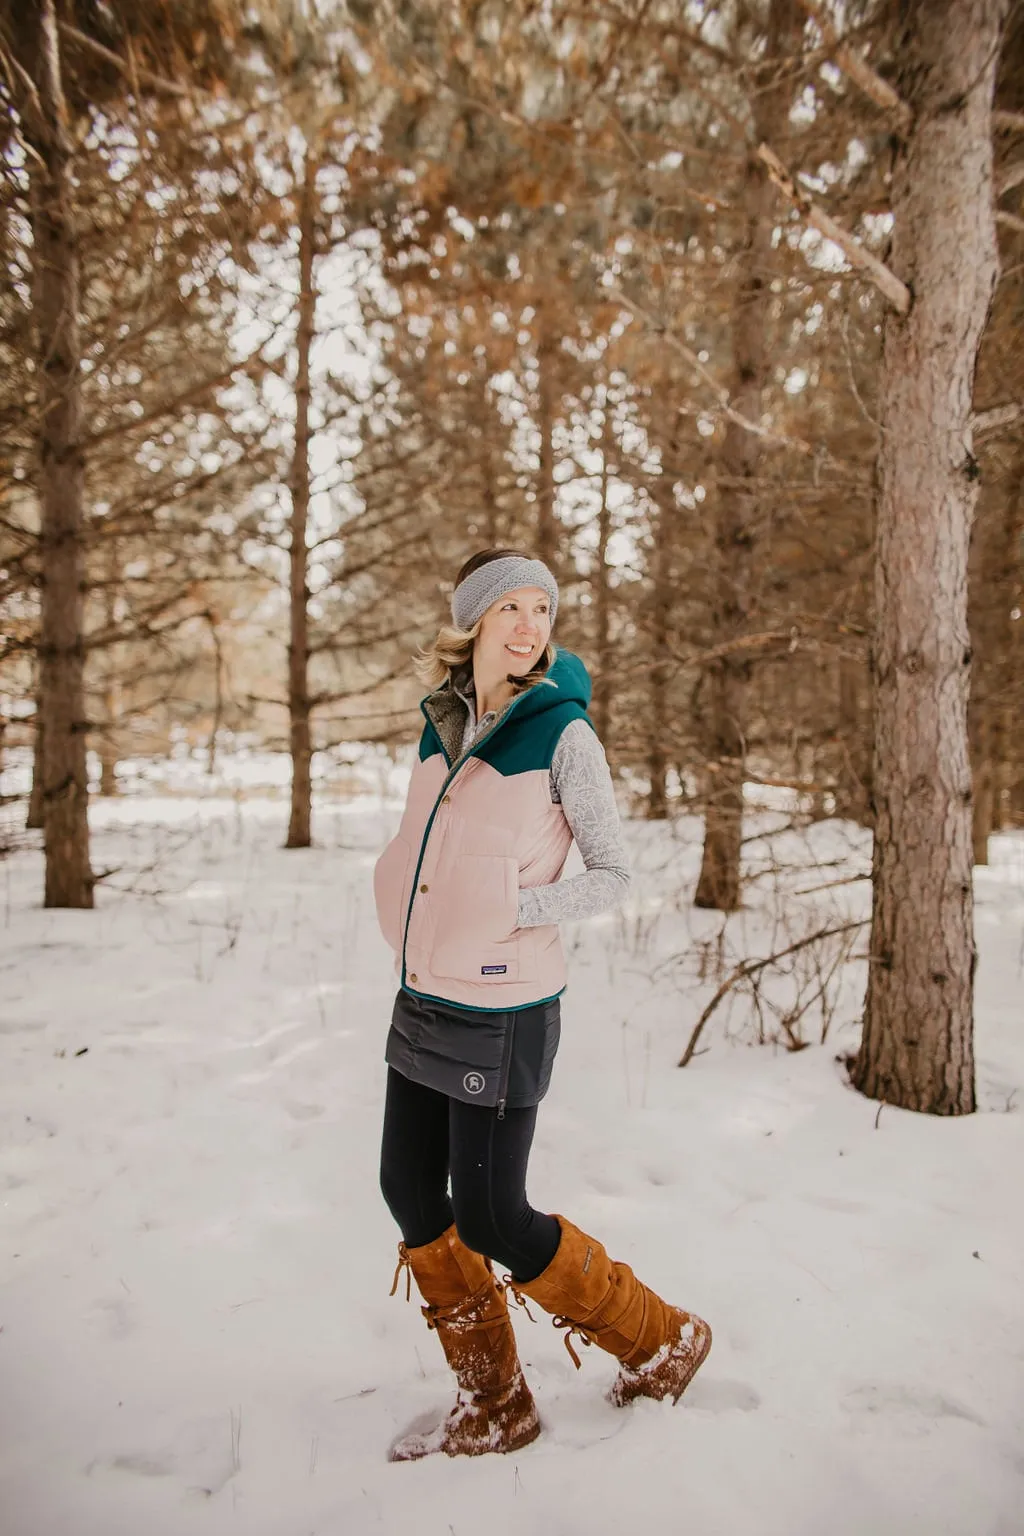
<point x="718" y="390"/>
<point x="858" y="69"/>
<point x="857" y="254"/>
<point x="997" y="416"/>
<point x="1011" y="177"/>
<point x="132" y="72"/>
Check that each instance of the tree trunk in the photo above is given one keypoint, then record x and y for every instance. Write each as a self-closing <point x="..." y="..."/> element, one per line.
<point x="660" y="633"/>
<point x="298" y="646"/>
<point x="213" y="621"/>
<point x="34" y="816"/>
<point x="547" y="523"/>
<point x="108" y="743"/>
<point x="68" y="879"/>
<point x="917" y="1048"/>
<point x="602" y="591"/>
<point x="853" y="787"/>
<point x="735" y="509"/>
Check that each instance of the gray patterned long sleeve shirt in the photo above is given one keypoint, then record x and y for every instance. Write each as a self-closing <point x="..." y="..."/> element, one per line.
<point x="581" y="783"/>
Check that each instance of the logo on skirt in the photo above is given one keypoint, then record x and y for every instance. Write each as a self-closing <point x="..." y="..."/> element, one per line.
<point x="473" y="1082"/>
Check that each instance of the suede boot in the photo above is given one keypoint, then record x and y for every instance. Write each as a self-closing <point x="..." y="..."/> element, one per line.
<point x="466" y="1307"/>
<point x="659" y="1347"/>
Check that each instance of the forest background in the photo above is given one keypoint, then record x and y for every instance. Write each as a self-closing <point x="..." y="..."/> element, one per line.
<point x="717" y="307"/>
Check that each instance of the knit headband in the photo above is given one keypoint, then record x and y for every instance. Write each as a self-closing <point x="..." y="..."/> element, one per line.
<point x="482" y="587"/>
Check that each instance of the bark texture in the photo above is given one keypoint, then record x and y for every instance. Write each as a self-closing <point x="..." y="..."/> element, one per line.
<point x="34" y="816"/>
<point x="298" y="641"/>
<point x="917" y="1045"/>
<point x="547" y="523"/>
<point x="601" y="590"/>
<point x="728" y="677"/>
<point x="62" y="719"/>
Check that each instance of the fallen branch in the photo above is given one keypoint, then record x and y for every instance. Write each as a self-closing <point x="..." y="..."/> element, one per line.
<point x="857" y="254"/>
<point x="751" y="968"/>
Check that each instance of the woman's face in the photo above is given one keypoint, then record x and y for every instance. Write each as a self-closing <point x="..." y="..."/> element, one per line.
<point x="514" y="632"/>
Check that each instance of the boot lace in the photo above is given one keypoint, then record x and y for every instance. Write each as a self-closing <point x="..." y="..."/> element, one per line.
<point x="510" y="1288"/>
<point x="404" y="1262"/>
<point x="585" y="1335"/>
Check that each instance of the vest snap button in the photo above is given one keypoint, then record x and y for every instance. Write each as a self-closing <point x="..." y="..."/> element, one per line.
<point x="447" y="800"/>
<point x="413" y="980"/>
<point x="424" y="889"/>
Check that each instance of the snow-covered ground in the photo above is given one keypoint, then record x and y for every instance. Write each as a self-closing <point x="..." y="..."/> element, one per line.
<point x="195" y="1328"/>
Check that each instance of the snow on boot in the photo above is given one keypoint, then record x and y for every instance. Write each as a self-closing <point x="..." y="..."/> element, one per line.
<point x="467" y="1308"/>
<point x="659" y="1347"/>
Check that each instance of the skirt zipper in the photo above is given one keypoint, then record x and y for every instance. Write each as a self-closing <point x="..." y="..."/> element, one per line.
<point x="506" y="1066"/>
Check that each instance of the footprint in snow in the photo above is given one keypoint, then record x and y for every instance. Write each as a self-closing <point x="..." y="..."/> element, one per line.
<point x="890" y="1398"/>
<point x="717" y="1396"/>
<point x="305" y="1111"/>
<point x="833" y="1203"/>
<point x="143" y="1465"/>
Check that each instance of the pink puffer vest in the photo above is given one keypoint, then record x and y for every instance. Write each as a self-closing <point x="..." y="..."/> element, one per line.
<point x="474" y="832"/>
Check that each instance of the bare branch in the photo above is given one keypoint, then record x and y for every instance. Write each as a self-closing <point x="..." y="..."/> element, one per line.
<point x="857" y="254"/>
<point x="1011" y="177"/>
<point x="857" y="68"/>
<point x="750" y="968"/>
<point x="718" y="390"/>
<point x="1009" y="122"/>
<point x="131" y="71"/>
<point x="997" y="416"/>
<point x="1010" y="220"/>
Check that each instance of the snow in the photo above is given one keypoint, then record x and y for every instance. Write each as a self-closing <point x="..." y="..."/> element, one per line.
<point x="196" y="1334"/>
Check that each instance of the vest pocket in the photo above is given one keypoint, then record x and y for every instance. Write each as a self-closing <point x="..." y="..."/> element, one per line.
<point x="476" y="937"/>
<point x="392" y="875"/>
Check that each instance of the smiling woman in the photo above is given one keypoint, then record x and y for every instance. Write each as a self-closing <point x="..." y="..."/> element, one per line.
<point x="469" y="896"/>
<point x="454" y="647"/>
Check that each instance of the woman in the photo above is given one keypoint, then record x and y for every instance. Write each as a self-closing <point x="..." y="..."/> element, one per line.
<point x="469" y="896"/>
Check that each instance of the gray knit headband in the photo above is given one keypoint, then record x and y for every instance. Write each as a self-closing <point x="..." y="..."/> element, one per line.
<point x="482" y="587"/>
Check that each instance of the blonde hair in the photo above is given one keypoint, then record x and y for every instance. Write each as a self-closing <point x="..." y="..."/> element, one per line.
<point x="452" y="651"/>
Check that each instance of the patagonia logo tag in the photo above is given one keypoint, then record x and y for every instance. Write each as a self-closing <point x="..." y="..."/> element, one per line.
<point x="493" y="970"/>
<point x="586" y="1261"/>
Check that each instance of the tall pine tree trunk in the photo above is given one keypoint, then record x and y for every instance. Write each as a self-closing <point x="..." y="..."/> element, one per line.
<point x="853" y="778"/>
<point x="736" y="507"/>
<point x="601" y="589"/>
<point x="660" y="667"/>
<point x="213" y="620"/>
<point x="547" y="524"/>
<point x="917" y="1047"/>
<point x="298" y="645"/>
<point x="108" y="743"/>
<point x="659" y="633"/>
<point x="62" y="719"/>
<point x="34" y="816"/>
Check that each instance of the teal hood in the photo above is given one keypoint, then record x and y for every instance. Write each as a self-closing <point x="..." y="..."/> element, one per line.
<point x="525" y="737"/>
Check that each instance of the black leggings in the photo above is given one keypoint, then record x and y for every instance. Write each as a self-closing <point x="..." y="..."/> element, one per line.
<point x="427" y="1137"/>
